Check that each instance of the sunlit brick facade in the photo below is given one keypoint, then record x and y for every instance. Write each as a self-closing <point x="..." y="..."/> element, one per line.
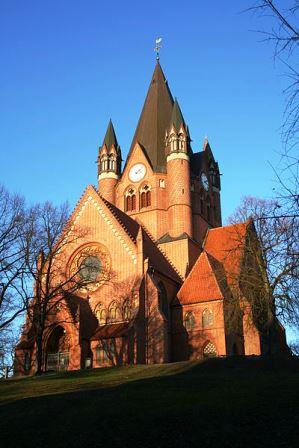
<point x="154" y="227"/>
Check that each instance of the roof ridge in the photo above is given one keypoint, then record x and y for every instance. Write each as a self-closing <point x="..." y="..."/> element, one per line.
<point x="162" y="252"/>
<point x="109" y="206"/>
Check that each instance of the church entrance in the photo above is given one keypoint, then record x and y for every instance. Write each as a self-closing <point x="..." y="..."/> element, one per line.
<point x="57" y="355"/>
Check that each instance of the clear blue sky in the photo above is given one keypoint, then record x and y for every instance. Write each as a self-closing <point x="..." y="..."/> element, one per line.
<point x="68" y="66"/>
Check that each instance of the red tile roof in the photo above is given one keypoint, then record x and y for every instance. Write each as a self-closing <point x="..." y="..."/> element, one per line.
<point x="112" y="330"/>
<point x="227" y="244"/>
<point x="201" y="284"/>
<point x="217" y="266"/>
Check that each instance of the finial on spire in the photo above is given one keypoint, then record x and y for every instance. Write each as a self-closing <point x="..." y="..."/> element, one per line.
<point x="158" y="47"/>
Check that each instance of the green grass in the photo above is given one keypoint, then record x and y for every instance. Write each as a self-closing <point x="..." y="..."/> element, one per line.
<point x="216" y="403"/>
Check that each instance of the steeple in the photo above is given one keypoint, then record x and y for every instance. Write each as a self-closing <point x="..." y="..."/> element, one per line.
<point x="177" y="118"/>
<point x="154" y="120"/>
<point x="110" y="137"/>
<point x="177" y="138"/>
<point x="109" y="164"/>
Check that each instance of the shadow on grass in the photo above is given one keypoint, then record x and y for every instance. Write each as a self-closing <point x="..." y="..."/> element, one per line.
<point x="222" y="402"/>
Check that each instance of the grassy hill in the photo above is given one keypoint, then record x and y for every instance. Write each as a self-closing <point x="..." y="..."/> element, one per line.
<point x="216" y="403"/>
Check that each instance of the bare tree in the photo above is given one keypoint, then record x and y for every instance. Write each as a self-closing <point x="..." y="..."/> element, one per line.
<point x="116" y="319"/>
<point x="283" y="32"/>
<point x="12" y="257"/>
<point x="272" y="263"/>
<point x="49" y="237"/>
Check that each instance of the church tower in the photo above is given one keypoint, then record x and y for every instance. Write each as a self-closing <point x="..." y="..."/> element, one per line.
<point x="178" y="173"/>
<point x="109" y="165"/>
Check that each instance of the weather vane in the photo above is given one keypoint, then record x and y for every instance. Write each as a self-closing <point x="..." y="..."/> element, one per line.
<point x="158" y="47"/>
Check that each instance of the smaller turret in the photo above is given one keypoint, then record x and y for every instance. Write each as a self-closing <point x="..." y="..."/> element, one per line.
<point x="178" y="150"/>
<point x="177" y="136"/>
<point x="109" y="165"/>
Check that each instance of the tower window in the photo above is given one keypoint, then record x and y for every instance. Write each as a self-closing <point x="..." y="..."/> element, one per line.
<point x="201" y="203"/>
<point x="145" y="196"/>
<point x="208" y="209"/>
<point x="162" y="183"/>
<point x="130" y="200"/>
<point x="111" y="163"/>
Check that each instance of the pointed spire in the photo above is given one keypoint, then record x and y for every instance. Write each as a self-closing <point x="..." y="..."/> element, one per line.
<point x="154" y="120"/>
<point x="206" y="144"/>
<point x="110" y="137"/>
<point x="177" y="118"/>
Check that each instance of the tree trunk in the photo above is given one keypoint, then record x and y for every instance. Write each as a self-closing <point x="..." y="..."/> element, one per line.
<point x="39" y="355"/>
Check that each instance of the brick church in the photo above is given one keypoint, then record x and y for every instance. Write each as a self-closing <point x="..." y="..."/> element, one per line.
<point x="160" y="268"/>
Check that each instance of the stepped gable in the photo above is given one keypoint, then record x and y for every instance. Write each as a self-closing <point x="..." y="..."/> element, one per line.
<point x="154" y="120"/>
<point x="202" y="283"/>
<point x="227" y="245"/>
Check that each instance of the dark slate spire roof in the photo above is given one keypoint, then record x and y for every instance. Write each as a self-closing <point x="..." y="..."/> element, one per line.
<point x="154" y="120"/>
<point x="177" y="118"/>
<point x="110" y="137"/>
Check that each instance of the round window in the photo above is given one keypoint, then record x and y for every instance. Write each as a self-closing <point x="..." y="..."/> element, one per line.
<point x="90" y="268"/>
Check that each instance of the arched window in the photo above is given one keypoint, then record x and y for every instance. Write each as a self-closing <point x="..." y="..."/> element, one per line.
<point x="209" y="350"/>
<point x="114" y="312"/>
<point x="207" y="318"/>
<point x="101" y="314"/>
<point x="182" y="143"/>
<point x="130" y="200"/>
<point x="215" y="216"/>
<point x="189" y="321"/>
<point x="208" y="209"/>
<point x="173" y="143"/>
<point x="145" y="196"/>
<point x="127" y="312"/>
<point x="111" y="162"/>
<point x="201" y="198"/>
<point x="133" y="202"/>
<point x="162" y="300"/>
<point x="104" y="163"/>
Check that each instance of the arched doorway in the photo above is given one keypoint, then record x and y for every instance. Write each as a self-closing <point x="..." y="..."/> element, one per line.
<point x="57" y="351"/>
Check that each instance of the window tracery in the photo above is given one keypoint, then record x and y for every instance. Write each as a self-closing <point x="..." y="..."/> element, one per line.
<point x="130" y="200"/>
<point x="207" y="318"/>
<point x="189" y="321"/>
<point x="101" y="314"/>
<point x="114" y="312"/>
<point x="145" y="196"/>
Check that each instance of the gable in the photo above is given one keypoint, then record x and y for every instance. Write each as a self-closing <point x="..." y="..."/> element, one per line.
<point x="227" y="245"/>
<point x="138" y="155"/>
<point x="101" y="226"/>
<point x="201" y="285"/>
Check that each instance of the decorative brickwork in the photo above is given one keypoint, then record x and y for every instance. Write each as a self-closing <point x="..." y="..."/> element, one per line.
<point x="159" y="269"/>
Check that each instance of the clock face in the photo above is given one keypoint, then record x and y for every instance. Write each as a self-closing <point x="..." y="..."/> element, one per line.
<point x="137" y="172"/>
<point x="204" y="181"/>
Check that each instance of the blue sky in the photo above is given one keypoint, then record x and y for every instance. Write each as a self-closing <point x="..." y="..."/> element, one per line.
<point x="67" y="67"/>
